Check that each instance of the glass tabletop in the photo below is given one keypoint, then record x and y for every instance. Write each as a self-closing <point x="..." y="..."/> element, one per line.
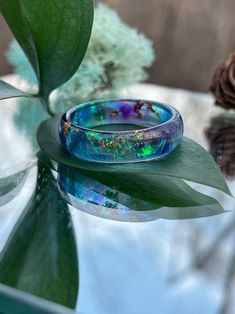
<point x="99" y="253"/>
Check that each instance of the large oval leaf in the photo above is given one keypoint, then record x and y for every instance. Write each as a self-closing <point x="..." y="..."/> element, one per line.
<point x="54" y="35"/>
<point x="189" y="161"/>
<point x="40" y="256"/>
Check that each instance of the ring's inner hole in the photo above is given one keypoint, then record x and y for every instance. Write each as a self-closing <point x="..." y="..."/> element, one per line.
<point x="120" y="115"/>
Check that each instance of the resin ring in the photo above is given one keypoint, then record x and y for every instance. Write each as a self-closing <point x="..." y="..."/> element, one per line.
<point x="117" y="131"/>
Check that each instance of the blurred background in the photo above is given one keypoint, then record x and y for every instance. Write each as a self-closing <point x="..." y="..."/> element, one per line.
<point x="190" y="37"/>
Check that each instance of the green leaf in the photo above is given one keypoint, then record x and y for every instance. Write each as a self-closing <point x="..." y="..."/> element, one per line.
<point x="181" y="213"/>
<point x="189" y="161"/>
<point x="8" y="91"/>
<point x="53" y="34"/>
<point x="40" y="256"/>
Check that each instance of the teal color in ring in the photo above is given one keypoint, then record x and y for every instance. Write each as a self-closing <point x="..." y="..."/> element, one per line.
<point x="156" y="130"/>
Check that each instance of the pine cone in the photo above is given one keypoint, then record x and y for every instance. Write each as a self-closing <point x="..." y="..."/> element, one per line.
<point x="221" y="136"/>
<point x="223" y="83"/>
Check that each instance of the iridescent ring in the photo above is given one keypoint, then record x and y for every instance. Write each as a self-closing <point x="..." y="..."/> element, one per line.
<point x="121" y="130"/>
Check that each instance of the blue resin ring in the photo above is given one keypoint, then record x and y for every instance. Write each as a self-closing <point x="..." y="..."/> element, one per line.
<point x="119" y="131"/>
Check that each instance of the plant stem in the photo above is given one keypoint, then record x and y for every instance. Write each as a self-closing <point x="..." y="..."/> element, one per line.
<point x="46" y="106"/>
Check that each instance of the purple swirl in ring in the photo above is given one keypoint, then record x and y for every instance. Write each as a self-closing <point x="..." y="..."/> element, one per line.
<point x="149" y="130"/>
